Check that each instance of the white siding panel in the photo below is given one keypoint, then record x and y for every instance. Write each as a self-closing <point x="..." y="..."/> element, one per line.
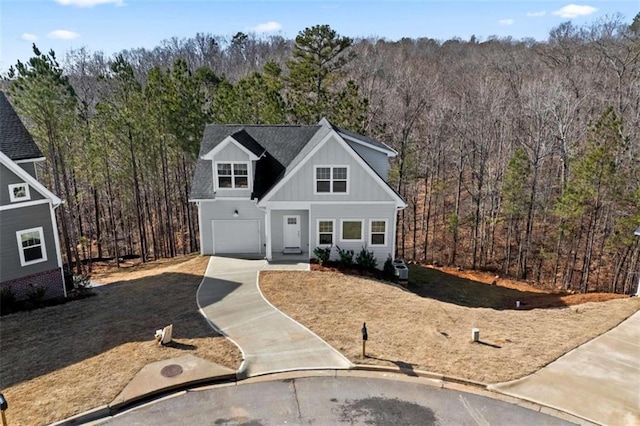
<point x="362" y="186"/>
<point x="231" y="152"/>
<point x="365" y="212"/>
<point x="223" y="210"/>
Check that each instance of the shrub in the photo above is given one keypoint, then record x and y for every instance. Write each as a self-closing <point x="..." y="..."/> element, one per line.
<point x="322" y="254"/>
<point x="366" y="259"/>
<point x="36" y="297"/>
<point x="345" y="256"/>
<point x="388" y="270"/>
<point x="7" y="301"/>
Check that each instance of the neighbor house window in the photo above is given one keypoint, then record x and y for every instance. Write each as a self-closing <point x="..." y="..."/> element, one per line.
<point x="351" y="230"/>
<point x="19" y="192"/>
<point x="31" y="246"/>
<point x="331" y="179"/>
<point x="232" y="175"/>
<point x="325" y="232"/>
<point x="378" y="232"/>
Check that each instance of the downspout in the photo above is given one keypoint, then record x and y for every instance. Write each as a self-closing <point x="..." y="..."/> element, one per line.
<point x="267" y="230"/>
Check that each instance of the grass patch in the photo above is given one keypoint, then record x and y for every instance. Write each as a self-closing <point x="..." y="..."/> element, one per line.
<point x="63" y="360"/>
<point x="422" y="332"/>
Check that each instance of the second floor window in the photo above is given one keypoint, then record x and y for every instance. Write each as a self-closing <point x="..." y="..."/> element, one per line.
<point x="331" y="179"/>
<point x="233" y="175"/>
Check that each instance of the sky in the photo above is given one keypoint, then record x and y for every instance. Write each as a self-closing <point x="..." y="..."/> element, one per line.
<point x="114" y="25"/>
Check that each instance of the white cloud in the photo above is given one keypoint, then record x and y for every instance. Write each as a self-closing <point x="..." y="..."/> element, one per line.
<point x="506" y="21"/>
<point x="88" y="3"/>
<point x="267" y="27"/>
<point x="63" y="34"/>
<point x="574" y="10"/>
<point x="29" y="37"/>
<point x="536" y="14"/>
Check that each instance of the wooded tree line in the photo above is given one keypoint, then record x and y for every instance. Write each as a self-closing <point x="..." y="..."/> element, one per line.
<point x="514" y="155"/>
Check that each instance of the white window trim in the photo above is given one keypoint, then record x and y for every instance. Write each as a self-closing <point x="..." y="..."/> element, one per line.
<point x="333" y="232"/>
<point x="386" y="232"/>
<point x="362" y="222"/>
<point x="330" y="166"/>
<point x="42" y="246"/>
<point x="216" y="186"/>
<point x="14" y="199"/>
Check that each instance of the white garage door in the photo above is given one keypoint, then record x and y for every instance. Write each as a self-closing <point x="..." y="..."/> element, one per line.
<point x="236" y="236"/>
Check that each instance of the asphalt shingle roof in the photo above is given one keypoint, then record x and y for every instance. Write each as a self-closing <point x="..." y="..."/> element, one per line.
<point x="366" y="139"/>
<point x="280" y="148"/>
<point x="281" y="142"/>
<point x="15" y="141"/>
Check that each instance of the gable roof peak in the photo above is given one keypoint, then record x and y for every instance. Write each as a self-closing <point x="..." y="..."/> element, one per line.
<point x="15" y="141"/>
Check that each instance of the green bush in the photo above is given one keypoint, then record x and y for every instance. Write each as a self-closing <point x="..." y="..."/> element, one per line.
<point x="388" y="271"/>
<point x="366" y="259"/>
<point x="7" y="301"/>
<point x="345" y="256"/>
<point x="322" y="254"/>
<point x="36" y="296"/>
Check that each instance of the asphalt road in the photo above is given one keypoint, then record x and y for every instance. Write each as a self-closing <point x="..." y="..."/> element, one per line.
<point x="330" y="401"/>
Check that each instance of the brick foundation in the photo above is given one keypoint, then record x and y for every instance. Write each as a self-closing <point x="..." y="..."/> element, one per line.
<point x="50" y="280"/>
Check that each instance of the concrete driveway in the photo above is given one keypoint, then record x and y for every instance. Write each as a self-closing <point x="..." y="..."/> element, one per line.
<point x="229" y="297"/>
<point x="598" y="381"/>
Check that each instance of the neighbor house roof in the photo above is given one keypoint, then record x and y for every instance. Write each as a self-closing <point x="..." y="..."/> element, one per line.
<point x="15" y="141"/>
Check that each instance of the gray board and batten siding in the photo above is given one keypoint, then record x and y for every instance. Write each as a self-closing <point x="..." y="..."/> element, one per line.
<point x="14" y="220"/>
<point x="361" y="185"/>
<point x="8" y="177"/>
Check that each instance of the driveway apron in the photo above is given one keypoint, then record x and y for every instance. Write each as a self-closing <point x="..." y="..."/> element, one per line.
<point x="229" y="297"/>
<point x="598" y="381"/>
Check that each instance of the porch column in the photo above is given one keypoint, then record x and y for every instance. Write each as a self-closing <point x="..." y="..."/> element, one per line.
<point x="267" y="232"/>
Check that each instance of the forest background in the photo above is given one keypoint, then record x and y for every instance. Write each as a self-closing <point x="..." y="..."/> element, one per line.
<point x="515" y="156"/>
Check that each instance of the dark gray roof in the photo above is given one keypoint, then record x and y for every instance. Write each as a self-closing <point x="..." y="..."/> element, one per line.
<point x="15" y="141"/>
<point x="366" y="139"/>
<point x="280" y="148"/>
<point x="281" y="142"/>
<point x="248" y="142"/>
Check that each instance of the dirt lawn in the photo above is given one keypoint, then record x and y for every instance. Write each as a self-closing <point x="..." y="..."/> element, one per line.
<point x="66" y="359"/>
<point x="425" y="332"/>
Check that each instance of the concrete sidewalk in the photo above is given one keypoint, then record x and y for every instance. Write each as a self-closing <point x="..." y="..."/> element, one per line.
<point x="598" y="381"/>
<point x="230" y="299"/>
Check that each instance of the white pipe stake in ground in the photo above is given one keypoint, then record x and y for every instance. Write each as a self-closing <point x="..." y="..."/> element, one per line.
<point x="475" y="334"/>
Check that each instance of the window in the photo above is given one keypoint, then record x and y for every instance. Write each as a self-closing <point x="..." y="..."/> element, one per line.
<point x="378" y="232"/>
<point x="325" y="232"/>
<point x="351" y="230"/>
<point x="232" y="175"/>
<point x="31" y="246"/>
<point x="19" y="192"/>
<point x="331" y="179"/>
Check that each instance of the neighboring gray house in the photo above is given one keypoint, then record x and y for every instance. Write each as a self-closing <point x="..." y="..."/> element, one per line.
<point x="29" y="246"/>
<point x="280" y="189"/>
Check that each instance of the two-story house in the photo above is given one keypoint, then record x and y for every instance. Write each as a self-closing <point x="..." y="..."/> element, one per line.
<point x="270" y="189"/>
<point x="29" y="247"/>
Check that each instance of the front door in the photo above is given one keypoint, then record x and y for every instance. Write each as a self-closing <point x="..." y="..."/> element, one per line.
<point x="291" y="232"/>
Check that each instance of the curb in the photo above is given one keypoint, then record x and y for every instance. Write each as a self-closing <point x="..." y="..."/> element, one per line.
<point x="86" y="417"/>
<point x="478" y="388"/>
<point x="420" y="373"/>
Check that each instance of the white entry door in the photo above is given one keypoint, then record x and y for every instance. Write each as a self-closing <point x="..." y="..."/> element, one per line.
<point x="291" y="232"/>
